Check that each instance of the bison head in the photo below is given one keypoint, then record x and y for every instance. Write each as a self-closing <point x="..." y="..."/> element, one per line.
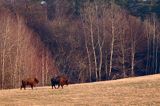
<point x="36" y="80"/>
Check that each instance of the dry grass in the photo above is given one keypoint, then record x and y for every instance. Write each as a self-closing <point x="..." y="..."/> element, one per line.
<point x="141" y="91"/>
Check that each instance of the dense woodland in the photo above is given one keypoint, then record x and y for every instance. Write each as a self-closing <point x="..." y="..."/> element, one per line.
<point x="87" y="40"/>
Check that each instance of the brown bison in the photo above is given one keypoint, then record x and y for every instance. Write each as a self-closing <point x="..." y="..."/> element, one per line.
<point x="29" y="82"/>
<point x="60" y="81"/>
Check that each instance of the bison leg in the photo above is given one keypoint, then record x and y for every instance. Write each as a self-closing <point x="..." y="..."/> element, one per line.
<point x="32" y="86"/>
<point x="21" y="87"/>
<point x="58" y="86"/>
<point x="62" y="86"/>
<point x="24" y="87"/>
<point x="55" y="87"/>
<point x="67" y="82"/>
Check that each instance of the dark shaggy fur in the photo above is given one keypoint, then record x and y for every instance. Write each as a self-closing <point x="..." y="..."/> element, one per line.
<point x="29" y="82"/>
<point x="60" y="81"/>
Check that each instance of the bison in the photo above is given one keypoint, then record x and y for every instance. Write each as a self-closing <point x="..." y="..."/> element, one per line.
<point x="60" y="81"/>
<point x="30" y="81"/>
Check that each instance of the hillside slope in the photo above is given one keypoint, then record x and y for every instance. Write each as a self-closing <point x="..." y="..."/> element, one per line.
<point x="130" y="91"/>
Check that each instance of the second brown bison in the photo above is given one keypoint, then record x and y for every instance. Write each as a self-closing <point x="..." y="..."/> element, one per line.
<point x="60" y="81"/>
<point x="29" y="82"/>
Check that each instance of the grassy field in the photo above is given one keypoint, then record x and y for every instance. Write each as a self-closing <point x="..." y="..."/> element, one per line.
<point x="140" y="91"/>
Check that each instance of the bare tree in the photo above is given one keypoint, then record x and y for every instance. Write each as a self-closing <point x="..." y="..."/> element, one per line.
<point x="5" y="37"/>
<point x="113" y="37"/>
<point x="87" y="49"/>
